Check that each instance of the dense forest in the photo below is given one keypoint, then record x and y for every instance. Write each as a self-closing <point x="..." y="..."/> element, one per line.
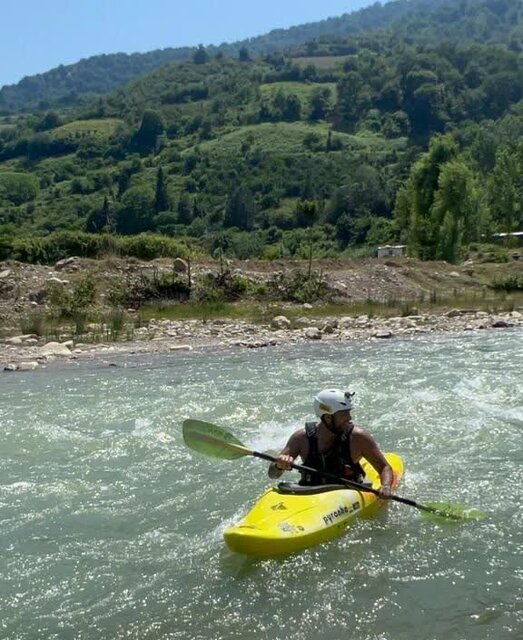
<point x="401" y="124"/>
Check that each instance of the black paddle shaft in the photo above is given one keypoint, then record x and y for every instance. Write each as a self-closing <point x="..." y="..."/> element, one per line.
<point x="349" y="483"/>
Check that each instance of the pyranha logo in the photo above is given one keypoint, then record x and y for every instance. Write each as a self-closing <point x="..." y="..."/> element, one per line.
<point x="334" y="515"/>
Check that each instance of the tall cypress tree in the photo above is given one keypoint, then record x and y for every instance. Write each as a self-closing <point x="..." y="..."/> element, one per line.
<point x="100" y="219"/>
<point x="161" y="200"/>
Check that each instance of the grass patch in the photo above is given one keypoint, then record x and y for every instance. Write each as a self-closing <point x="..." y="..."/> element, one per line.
<point x="260" y="312"/>
<point x="90" y="129"/>
<point x="274" y="138"/>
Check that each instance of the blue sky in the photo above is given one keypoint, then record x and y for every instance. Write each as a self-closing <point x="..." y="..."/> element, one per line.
<point x="37" y="36"/>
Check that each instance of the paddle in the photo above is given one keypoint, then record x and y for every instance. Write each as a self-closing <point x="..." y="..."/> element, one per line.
<point x="214" y="441"/>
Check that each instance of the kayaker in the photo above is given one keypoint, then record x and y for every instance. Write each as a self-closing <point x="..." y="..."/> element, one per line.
<point x="334" y="445"/>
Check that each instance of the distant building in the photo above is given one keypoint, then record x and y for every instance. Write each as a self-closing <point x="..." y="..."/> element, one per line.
<point x="505" y="237"/>
<point x="391" y="251"/>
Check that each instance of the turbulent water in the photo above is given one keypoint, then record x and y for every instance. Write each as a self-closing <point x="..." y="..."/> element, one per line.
<point x="111" y="528"/>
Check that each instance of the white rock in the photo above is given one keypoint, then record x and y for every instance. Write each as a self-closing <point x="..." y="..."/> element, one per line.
<point x="346" y="322"/>
<point x="10" y="367"/>
<point x="281" y="322"/>
<point x="61" y="264"/>
<point x="55" y="349"/>
<point x="55" y="280"/>
<point x="180" y="347"/>
<point x="27" y="366"/>
<point x="313" y="333"/>
<point x="14" y="341"/>
<point x="5" y="273"/>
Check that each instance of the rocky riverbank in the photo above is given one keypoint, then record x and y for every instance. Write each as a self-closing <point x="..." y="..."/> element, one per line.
<point x="28" y="352"/>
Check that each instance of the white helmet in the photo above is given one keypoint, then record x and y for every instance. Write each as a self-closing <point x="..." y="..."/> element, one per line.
<point x="331" y="401"/>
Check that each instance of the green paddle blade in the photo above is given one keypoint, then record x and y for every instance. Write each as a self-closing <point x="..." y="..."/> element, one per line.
<point x="444" y="511"/>
<point x="212" y="440"/>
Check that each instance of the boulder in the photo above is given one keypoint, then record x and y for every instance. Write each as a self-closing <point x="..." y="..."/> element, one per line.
<point x="15" y="341"/>
<point x="10" y="367"/>
<point x="180" y="265"/>
<point x="346" y="322"/>
<point x="55" y="349"/>
<point x="27" y="366"/>
<point x="5" y="274"/>
<point x="302" y="321"/>
<point x="281" y="322"/>
<point x="329" y="326"/>
<point x="501" y="323"/>
<point x="62" y="264"/>
<point x="313" y="333"/>
<point x="383" y="335"/>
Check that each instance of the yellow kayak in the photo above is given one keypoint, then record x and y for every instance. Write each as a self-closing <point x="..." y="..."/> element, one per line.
<point x="290" y="518"/>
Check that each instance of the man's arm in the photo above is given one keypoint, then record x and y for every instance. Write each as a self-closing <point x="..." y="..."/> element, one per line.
<point x="371" y="452"/>
<point x="287" y="456"/>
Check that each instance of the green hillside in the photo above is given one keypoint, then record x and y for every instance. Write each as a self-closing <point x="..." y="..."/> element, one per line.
<point x="399" y="139"/>
<point x="71" y="85"/>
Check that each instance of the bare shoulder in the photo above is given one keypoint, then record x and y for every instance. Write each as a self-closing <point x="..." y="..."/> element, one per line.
<point x="363" y="442"/>
<point x="298" y="436"/>
<point x="296" y="443"/>
<point x="366" y="446"/>
<point x="361" y="434"/>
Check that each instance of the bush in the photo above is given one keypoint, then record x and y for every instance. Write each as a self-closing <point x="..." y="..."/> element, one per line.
<point x="299" y="287"/>
<point x="510" y="283"/>
<point x="18" y="188"/>
<point x="65" y="244"/>
<point x="74" y="303"/>
<point x="148" y="246"/>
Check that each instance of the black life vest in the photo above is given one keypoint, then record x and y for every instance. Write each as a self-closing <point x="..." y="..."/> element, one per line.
<point x="337" y="460"/>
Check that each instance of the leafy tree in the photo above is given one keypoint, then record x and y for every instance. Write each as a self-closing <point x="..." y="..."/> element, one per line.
<point x="147" y="135"/>
<point x="200" y="55"/>
<point x="320" y="103"/>
<point x="353" y="100"/>
<point x="50" y="120"/>
<point x="137" y="212"/>
<point x="457" y="215"/>
<point x="244" y="55"/>
<point x="505" y="189"/>
<point x="292" y="108"/>
<point x="306" y="213"/>
<point x="425" y="103"/>
<point x="414" y="201"/>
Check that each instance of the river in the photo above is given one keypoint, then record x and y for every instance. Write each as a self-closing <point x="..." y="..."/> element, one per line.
<point x="111" y="528"/>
